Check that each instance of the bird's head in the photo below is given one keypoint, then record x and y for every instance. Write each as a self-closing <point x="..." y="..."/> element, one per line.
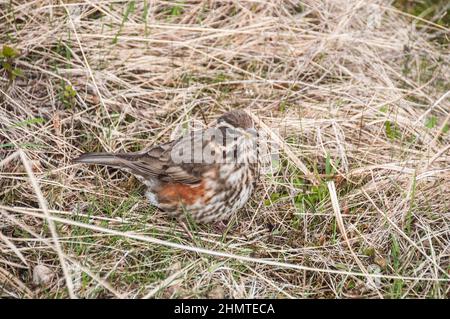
<point x="238" y="119"/>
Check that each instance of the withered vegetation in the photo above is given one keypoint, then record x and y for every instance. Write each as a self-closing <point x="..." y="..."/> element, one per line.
<point x="356" y="91"/>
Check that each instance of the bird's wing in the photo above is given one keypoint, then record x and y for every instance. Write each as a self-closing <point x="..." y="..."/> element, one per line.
<point x="178" y="161"/>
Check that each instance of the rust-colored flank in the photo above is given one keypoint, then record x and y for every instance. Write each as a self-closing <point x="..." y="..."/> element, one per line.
<point x="181" y="193"/>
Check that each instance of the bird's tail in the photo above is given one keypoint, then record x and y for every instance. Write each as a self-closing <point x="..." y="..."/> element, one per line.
<point x="109" y="159"/>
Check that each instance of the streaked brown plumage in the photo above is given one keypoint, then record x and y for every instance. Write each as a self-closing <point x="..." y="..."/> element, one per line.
<point x="208" y="174"/>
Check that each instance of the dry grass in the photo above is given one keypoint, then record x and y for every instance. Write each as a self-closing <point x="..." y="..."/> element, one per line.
<point x="358" y="90"/>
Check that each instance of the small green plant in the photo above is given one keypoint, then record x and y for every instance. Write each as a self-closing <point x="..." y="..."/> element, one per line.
<point x="426" y="9"/>
<point x="384" y="109"/>
<point x="131" y="7"/>
<point x="283" y="106"/>
<point x="8" y="55"/>
<point x="221" y="77"/>
<point x="446" y="128"/>
<point x="30" y="146"/>
<point x="68" y="96"/>
<point x="176" y="10"/>
<point x="369" y="252"/>
<point x="431" y="122"/>
<point x="32" y="121"/>
<point x="274" y="197"/>
<point x="392" y="130"/>
<point x="62" y="48"/>
<point x="312" y="197"/>
<point x="329" y="169"/>
<point x="397" y="286"/>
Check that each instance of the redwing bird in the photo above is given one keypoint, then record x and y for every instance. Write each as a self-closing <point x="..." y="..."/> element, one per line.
<point x="208" y="174"/>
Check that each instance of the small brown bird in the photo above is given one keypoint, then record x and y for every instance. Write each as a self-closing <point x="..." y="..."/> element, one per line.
<point x="208" y="174"/>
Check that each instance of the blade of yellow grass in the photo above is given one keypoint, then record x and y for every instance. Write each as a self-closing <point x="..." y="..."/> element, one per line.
<point x="402" y="233"/>
<point x="208" y="251"/>
<point x="277" y="139"/>
<point x="6" y="276"/>
<point x="340" y="222"/>
<point x="88" y="67"/>
<point x="13" y="247"/>
<point x="51" y="225"/>
<point x="8" y="159"/>
<point x="49" y="243"/>
<point x="166" y="282"/>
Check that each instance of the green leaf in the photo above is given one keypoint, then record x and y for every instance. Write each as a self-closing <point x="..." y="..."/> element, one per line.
<point x="145" y="13"/>
<point x="9" y="52"/>
<point x="36" y="120"/>
<point x="370" y="251"/>
<point x="446" y="128"/>
<point x="384" y="109"/>
<point x="7" y="145"/>
<point x="7" y="66"/>
<point x="391" y="130"/>
<point x="17" y="72"/>
<point x="69" y="91"/>
<point x="328" y="167"/>
<point x="22" y="145"/>
<point x="431" y="122"/>
<point x="130" y="9"/>
<point x="176" y="10"/>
